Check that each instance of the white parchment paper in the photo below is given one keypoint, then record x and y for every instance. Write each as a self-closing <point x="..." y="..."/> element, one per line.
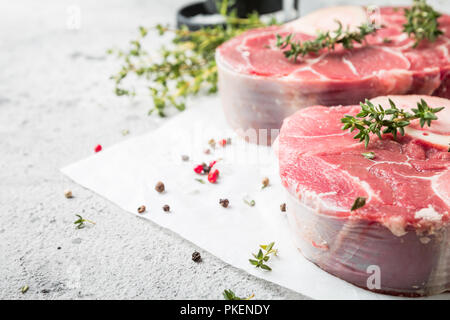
<point x="126" y="174"/>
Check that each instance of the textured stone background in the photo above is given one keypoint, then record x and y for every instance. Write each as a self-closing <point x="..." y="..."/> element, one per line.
<point x="56" y="104"/>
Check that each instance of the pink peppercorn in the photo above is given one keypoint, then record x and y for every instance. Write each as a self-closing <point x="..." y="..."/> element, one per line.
<point x="213" y="175"/>
<point x="98" y="148"/>
<point x="198" y="169"/>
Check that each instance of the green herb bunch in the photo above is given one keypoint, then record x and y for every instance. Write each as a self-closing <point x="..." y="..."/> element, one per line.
<point x="262" y="257"/>
<point x="422" y="22"/>
<point x="184" y="68"/>
<point x="324" y="40"/>
<point x="377" y="120"/>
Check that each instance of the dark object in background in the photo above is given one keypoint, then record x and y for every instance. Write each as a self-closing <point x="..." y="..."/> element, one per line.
<point x="243" y="8"/>
<point x="186" y="13"/>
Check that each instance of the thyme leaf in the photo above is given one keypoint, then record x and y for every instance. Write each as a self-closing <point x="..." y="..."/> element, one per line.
<point x="81" y="222"/>
<point x="230" y="295"/>
<point x="369" y="155"/>
<point x="359" y="203"/>
<point x="376" y="120"/>
<point x="422" y="22"/>
<point x="324" y="40"/>
<point x="263" y="256"/>
<point x="250" y="203"/>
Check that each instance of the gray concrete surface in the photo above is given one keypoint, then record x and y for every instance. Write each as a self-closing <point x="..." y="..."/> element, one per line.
<point x="56" y="104"/>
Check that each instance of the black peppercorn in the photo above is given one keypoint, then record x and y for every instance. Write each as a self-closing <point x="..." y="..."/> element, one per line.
<point x="166" y="208"/>
<point x="224" y="202"/>
<point x="283" y="207"/>
<point x="206" y="168"/>
<point x="196" y="257"/>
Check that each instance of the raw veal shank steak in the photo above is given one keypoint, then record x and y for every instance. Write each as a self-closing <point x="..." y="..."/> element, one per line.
<point x="259" y="87"/>
<point x="403" y="229"/>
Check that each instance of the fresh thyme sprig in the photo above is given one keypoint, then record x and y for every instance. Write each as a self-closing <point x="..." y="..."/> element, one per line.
<point x="262" y="257"/>
<point x="422" y="22"/>
<point x="186" y="67"/>
<point x="81" y="222"/>
<point x="377" y="120"/>
<point x="324" y="40"/>
<point x="229" y="295"/>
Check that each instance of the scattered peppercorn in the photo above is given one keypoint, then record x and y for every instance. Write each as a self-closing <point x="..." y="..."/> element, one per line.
<point x="223" y="142"/>
<point x="166" y="208"/>
<point x="141" y="209"/>
<point x="213" y="175"/>
<point x="224" y="202"/>
<point x="283" y="207"/>
<point x="68" y="194"/>
<point x="206" y="168"/>
<point x="185" y="157"/>
<point x="198" y="169"/>
<point x="265" y="182"/>
<point x="196" y="257"/>
<point x="160" y="187"/>
<point x="59" y="248"/>
<point x="98" y="148"/>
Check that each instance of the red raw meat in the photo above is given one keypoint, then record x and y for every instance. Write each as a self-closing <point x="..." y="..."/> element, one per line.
<point x="259" y="87"/>
<point x="404" y="226"/>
